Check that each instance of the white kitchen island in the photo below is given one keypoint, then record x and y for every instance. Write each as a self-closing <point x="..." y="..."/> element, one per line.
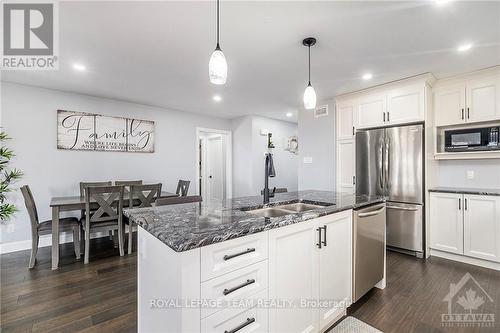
<point x="290" y="277"/>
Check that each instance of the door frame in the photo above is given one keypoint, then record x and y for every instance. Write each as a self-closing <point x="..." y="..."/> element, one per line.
<point x="229" y="158"/>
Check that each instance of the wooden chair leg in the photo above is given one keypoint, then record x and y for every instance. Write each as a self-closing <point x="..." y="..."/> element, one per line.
<point x="87" y="245"/>
<point x="34" y="250"/>
<point x="130" y="234"/>
<point x="76" y="241"/>
<point x="120" y="240"/>
<point x="115" y="239"/>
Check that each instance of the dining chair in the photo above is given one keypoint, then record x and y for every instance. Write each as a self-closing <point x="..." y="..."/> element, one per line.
<point x="127" y="184"/>
<point x="141" y="196"/>
<point x="83" y="185"/>
<point x="182" y="187"/>
<point x="67" y="224"/>
<point x="108" y="214"/>
<point x="178" y="200"/>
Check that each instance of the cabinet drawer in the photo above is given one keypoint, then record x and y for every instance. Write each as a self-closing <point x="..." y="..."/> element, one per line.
<point x="253" y="319"/>
<point x="238" y="285"/>
<point x="225" y="257"/>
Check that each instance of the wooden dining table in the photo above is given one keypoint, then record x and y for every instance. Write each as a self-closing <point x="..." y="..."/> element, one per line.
<point x="75" y="203"/>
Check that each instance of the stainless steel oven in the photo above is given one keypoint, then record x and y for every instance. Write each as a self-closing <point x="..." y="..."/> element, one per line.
<point x="473" y="139"/>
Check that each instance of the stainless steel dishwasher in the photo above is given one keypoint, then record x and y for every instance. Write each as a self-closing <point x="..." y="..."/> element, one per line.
<point x="369" y="248"/>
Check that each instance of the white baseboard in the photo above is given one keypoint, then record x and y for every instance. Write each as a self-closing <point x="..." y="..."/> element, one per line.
<point x="466" y="260"/>
<point x="45" y="240"/>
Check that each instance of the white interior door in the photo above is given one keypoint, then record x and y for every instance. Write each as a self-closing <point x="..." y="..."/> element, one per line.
<point x="215" y="179"/>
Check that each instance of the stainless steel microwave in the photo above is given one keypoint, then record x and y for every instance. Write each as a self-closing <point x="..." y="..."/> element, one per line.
<point x="474" y="139"/>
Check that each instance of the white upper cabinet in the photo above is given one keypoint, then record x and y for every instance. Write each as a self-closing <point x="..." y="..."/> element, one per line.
<point x="346" y="119"/>
<point x="482" y="227"/>
<point x="372" y="110"/>
<point x="406" y="104"/>
<point x="470" y="99"/>
<point x="483" y="99"/>
<point x="449" y="105"/>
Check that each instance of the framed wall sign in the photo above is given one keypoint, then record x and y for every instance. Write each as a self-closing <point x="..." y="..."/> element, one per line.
<point x="89" y="131"/>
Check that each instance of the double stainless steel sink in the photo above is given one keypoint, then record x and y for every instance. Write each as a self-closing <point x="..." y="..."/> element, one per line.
<point x="283" y="210"/>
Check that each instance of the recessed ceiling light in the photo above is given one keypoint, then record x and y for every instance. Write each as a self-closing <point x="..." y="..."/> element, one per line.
<point x="464" y="47"/>
<point x="217" y="98"/>
<point x="367" y="76"/>
<point x="79" y="67"/>
<point x="289" y="114"/>
<point x="442" y="2"/>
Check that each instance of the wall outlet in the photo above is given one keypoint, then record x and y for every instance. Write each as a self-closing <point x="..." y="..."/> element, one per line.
<point x="308" y="160"/>
<point x="470" y="174"/>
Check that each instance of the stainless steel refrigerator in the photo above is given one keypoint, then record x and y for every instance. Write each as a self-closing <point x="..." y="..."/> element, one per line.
<point x="389" y="162"/>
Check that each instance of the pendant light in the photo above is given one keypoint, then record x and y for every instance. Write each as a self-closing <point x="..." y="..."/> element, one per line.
<point x="309" y="93"/>
<point x="217" y="66"/>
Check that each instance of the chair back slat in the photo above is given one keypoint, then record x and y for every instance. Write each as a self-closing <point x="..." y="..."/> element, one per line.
<point x="83" y="185"/>
<point x="145" y="194"/>
<point x="178" y="200"/>
<point x="109" y="201"/>
<point x="30" y="205"/>
<point x="182" y="187"/>
<point x="127" y="184"/>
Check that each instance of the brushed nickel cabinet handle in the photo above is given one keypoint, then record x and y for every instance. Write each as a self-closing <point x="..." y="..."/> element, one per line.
<point x="239" y="327"/>
<point x="324" y="235"/>
<point x="318" y="244"/>
<point x="231" y="256"/>
<point x="233" y="289"/>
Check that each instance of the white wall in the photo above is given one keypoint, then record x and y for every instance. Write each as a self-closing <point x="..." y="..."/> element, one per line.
<point x="317" y="140"/>
<point x="29" y="116"/>
<point x="454" y="173"/>
<point x="249" y="148"/>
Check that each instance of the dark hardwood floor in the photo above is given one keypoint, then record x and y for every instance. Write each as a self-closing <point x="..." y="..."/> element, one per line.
<point x="101" y="296"/>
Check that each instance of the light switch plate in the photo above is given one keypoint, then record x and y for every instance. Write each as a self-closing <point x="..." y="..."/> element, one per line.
<point x="308" y="160"/>
<point x="470" y="174"/>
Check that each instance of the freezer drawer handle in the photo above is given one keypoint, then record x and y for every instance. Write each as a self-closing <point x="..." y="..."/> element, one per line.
<point x="231" y="256"/>
<point x="244" y="284"/>
<point x="402" y="208"/>
<point x="237" y="328"/>
<point x="375" y="212"/>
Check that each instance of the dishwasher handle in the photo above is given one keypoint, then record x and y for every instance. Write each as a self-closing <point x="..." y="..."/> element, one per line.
<point x="372" y="213"/>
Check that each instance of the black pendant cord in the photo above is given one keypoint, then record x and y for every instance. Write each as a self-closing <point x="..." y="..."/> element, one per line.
<point x="309" y="47"/>
<point x="218" y="47"/>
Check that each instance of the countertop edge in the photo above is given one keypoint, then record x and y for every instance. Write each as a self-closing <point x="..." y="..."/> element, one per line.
<point x="490" y="192"/>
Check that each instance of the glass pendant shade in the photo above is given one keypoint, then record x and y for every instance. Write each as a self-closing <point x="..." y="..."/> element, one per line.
<point x="309" y="97"/>
<point x="217" y="67"/>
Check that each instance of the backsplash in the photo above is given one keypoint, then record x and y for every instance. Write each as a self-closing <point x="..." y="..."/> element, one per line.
<point x="486" y="173"/>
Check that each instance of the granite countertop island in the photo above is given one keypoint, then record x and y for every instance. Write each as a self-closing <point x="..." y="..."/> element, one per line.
<point x="187" y="226"/>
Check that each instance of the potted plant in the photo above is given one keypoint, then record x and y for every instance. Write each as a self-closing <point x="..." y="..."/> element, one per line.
<point x="7" y="176"/>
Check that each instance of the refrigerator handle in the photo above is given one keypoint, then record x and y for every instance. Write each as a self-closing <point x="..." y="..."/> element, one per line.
<point x="381" y="166"/>
<point x="386" y="164"/>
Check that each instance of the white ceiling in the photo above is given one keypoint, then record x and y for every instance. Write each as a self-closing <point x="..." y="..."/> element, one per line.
<point x="157" y="53"/>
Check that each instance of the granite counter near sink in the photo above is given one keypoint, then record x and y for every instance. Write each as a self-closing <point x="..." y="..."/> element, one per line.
<point x="188" y="226"/>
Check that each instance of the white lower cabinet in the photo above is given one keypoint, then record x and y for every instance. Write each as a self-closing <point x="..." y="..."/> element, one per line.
<point x="310" y="267"/>
<point x="466" y="224"/>
<point x="335" y="272"/>
<point x="482" y="226"/>
<point x="446" y="222"/>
